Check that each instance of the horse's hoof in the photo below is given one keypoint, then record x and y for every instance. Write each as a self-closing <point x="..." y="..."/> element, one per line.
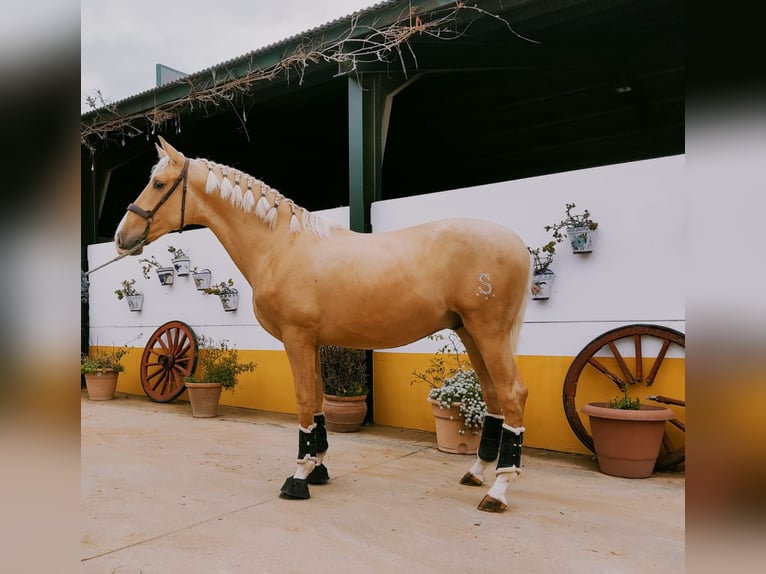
<point x="319" y="475"/>
<point x="470" y="479"/>
<point x="295" y="488"/>
<point x="490" y="504"/>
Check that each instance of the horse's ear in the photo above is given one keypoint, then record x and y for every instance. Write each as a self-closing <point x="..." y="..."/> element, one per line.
<point x="160" y="152"/>
<point x="175" y="156"/>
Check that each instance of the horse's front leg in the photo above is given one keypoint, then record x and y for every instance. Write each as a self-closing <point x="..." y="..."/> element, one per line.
<point x="312" y="436"/>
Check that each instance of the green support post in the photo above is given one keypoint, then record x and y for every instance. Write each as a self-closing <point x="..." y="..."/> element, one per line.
<point x="365" y="150"/>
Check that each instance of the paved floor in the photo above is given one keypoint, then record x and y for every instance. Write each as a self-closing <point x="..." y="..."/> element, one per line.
<point x="163" y="492"/>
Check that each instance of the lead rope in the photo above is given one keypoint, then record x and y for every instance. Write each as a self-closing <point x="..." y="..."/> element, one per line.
<point x="130" y="252"/>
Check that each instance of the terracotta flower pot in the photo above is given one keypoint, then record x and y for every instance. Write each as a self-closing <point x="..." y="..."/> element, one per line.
<point x="448" y="424"/>
<point x="101" y="385"/>
<point x="204" y="399"/>
<point x="627" y="442"/>
<point x="344" y="414"/>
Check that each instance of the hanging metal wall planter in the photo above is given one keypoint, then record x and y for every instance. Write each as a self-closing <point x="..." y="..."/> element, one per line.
<point x="202" y="279"/>
<point x="542" y="283"/>
<point x="135" y="302"/>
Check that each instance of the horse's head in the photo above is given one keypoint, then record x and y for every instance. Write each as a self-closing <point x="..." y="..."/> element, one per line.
<point x="161" y="205"/>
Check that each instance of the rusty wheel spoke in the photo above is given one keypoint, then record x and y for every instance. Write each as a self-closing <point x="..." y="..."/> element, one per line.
<point x="608" y="374"/>
<point x="657" y="363"/>
<point x="639" y="358"/>
<point x="621" y="362"/>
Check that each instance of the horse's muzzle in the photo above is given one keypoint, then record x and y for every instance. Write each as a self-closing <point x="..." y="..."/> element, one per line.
<point x="134" y="246"/>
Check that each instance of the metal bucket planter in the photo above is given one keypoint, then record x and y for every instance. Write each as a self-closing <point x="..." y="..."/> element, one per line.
<point x="166" y="275"/>
<point x="135" y="302"/>
<point x="230" y="300"/>
<point x="542" y="283"/>
<point x="581" y="239"/>
<point x="202" y="279"/>
<point x="182" y="266"/>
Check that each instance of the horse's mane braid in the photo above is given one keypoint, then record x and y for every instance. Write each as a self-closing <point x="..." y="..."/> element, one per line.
<point x="262" y="203"/>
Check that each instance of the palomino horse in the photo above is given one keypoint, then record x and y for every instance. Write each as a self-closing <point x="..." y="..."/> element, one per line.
<point x="318" y="284"/>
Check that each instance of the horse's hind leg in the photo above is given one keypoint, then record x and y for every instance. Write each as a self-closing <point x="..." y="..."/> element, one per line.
<point x="495" y="349"/>
<point x="319" y="475"/>
<point x="489" y="446"/>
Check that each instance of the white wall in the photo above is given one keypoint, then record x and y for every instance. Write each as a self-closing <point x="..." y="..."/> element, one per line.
<point x="635" y="273"/>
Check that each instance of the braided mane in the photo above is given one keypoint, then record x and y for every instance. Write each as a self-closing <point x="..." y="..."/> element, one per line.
<point x="259" y="199"/>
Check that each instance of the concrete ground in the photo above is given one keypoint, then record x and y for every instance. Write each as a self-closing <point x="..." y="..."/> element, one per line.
<point x="163" y="492"/>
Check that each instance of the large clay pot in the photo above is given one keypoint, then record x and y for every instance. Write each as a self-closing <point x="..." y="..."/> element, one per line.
<point x="449" y="422"/>
<point x="627" y="442"/>
<point x="204" y="399"/>
<point x="101" y="385"/>
<point x="344" y="414"/>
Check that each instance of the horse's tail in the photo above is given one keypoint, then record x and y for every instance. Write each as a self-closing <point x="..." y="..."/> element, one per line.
<point x="518" y="320"/>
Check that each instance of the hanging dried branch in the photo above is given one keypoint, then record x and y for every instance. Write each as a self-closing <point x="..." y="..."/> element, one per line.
<point x="359" y="44"/>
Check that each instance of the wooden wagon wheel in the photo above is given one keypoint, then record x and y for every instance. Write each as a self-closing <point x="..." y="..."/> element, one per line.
<point x="625" y="358"/>
<point x="169" y="357"/>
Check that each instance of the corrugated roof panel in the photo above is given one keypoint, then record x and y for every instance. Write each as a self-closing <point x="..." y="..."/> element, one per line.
<point x="264" y="49"/>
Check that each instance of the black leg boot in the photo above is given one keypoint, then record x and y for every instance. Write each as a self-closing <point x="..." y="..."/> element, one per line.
<point x="307" y="449"/>
<point x="320" y="475"/>
<point x="489" y="446"/>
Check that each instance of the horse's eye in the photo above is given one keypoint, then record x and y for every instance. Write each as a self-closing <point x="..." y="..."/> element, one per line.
<point x="159" y="184"/>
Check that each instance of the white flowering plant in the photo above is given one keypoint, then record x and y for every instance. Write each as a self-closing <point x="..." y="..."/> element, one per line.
<point x="463" y="388"/>
<point x="454" y="382"/>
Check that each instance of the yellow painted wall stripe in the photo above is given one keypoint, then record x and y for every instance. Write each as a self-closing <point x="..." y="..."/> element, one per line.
<point x="400" y="403"/>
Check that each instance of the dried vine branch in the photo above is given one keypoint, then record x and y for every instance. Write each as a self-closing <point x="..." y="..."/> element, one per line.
<point x="359" y="44"/>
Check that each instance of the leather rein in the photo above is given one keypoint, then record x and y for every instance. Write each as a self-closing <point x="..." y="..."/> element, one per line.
<point x="149" y="215"/>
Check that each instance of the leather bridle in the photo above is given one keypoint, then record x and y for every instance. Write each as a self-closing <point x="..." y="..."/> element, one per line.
<point x="149" y="215"/>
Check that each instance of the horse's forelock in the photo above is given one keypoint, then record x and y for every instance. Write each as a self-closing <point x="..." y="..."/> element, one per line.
<point x="163" y="162"/>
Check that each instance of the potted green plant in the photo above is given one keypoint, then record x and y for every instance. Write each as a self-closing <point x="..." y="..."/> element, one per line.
<point x="579" y="229"/>
<point x="227" y="293"/>
<point x="344" y="374"/>
<point x="218" y="367"/>
<point x="542" y="274"/>
<point x="128" y="291"/>
<point x="180" y="260"/>
<point x="202" y="278"/>
<point x="101" y="369"/>
<point x="165" y="274"/>
<point x="627" y="435"/>
<point x="455" y="396"/>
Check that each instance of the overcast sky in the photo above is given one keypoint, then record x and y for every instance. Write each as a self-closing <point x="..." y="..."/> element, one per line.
<point x="122" y="42"/>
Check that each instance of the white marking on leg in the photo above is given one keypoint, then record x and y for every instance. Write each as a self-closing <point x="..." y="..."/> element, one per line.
<point x="305" y="466"/>
<point x="478" y="468"/>
<point x="504" y="479"/>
